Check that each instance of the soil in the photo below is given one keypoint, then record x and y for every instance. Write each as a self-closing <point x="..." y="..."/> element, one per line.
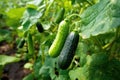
<point x="13" y="71"/>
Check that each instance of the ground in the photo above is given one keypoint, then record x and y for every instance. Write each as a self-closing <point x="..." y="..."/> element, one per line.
<point x="13" y="71"/>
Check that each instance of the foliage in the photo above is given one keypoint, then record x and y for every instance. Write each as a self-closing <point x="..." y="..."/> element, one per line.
<point x="98" y="22"/>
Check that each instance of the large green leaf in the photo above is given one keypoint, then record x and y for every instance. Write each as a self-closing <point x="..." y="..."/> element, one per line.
<point x="30" y="17"/>
<point x="100" y="18"/>
<point x="14" y="15"/>
<point x="98" y="67"/>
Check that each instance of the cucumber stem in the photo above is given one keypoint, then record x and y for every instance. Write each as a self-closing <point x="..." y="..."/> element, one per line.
<point x="68" y="18"/>
<point x="48" y="7"/>
<point x="117" y="35"/>
<point x="72" y="15"/>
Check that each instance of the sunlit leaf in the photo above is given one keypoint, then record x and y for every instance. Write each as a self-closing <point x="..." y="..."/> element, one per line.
<point x="7" y="59"/>
<point x="100" y="18"/>
<point x="14" y="15"/>
<point x="30" y="17"/>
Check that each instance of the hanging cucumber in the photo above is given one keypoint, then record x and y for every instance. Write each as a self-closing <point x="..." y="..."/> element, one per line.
<point x="39" y="27"/>
<point x="21" y="43"/>
<point x="30" y="44"/>
<point x="60" y="16"/>
<point x="68" y="50"/>
<point x="60" y="38"/>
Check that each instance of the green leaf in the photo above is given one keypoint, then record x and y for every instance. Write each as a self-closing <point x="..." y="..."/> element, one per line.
<point x="5" y="35"/>
<point x="8" y="59"/>
<point x="82" y="52"/>
<point x="98" y="67"/>
<point x="29" y="77"/>
<point x="35" y="2"/>
<point x="28" y="66"/>
<point x="100" y="18"/>
<point x="97" y="59"/>
<point x="14" y="15"/>
<point x="36" y="66"/>
<point x="46" y="70"/>
<point x="79" y="74"/>
<point x="30" y="17"/>
<point x="44" y="73"/>
<point x="63" y="75"/>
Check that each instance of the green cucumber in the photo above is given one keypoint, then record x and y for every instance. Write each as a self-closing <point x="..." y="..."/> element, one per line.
<point x="68" y="51"/>
<point x="60" y="38"/>
<point x="30" y="44"/>
<point x="39" y="27"/>
<point x="60" y="15"/>
<point x="21" y="43"/>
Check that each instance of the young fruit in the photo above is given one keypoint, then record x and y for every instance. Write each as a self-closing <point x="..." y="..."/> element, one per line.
<point x="21" y="43"/>
<point x="39" y="27"/>
<point x="30" y="44"/>
<point x="68" y="51"/>
<point x="60" y="38"/>
<point x="60" y="15"/>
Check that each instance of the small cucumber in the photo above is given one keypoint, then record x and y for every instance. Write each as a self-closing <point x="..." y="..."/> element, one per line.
<point x="30" y="44"/>
<point x="21" y="43"/>
<point x="60" y="15"/>
<point x="68" y="51"/>
<point x="60" y="38"/>
<point x="39" y="27"/>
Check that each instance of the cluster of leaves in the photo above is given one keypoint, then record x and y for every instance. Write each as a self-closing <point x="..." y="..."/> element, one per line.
<point x="98" y="53"/>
